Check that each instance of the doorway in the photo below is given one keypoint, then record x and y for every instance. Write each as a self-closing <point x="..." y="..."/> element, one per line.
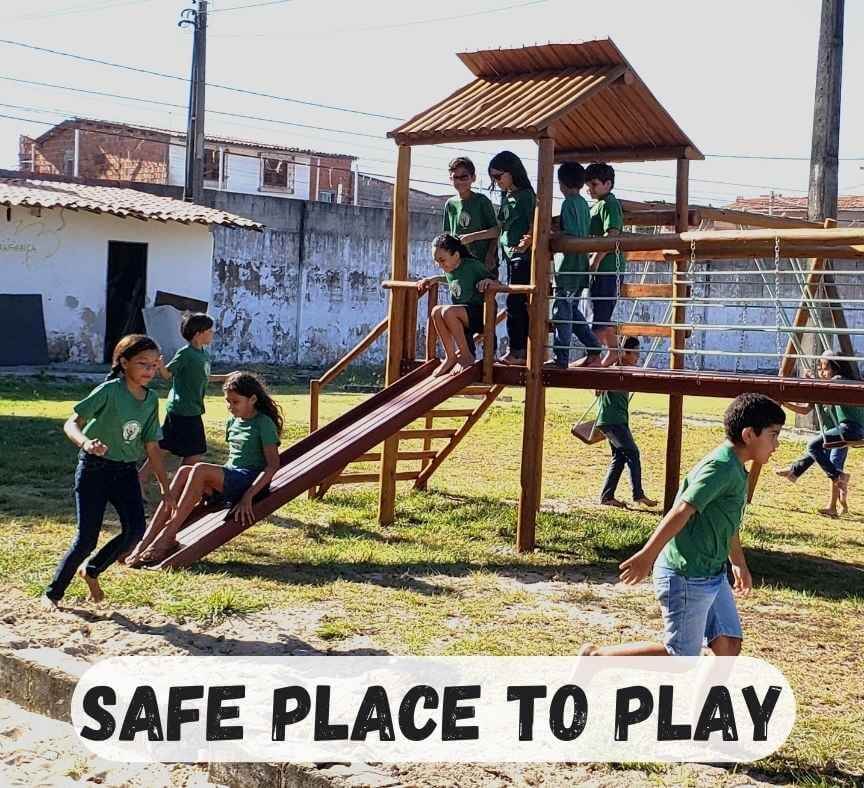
<point x="126" y="289"/>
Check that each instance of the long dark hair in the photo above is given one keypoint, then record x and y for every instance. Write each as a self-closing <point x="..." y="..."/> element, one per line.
<point x="839" y="366"/>
<point x="451" y="244"/>
<point x="129" y="347"/>
<point x="507" y="161"/>
<point x="248" y="384"/>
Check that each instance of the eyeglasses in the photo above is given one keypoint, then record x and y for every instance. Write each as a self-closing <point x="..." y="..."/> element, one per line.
<point x="465" y="177"/>
<point x="496" y="176"/>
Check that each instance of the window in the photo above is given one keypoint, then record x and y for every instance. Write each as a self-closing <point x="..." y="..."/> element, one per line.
<point x="327" y="196"/>
<point x="69" y="162"/>
<point x="277" y="175"/>
<point x="211" y="165"/>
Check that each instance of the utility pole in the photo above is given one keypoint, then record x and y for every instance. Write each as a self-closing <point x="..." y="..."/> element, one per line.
<point x="194" y="185"/>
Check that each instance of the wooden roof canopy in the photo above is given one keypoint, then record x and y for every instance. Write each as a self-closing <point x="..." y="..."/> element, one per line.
<point x="586" y="96"/>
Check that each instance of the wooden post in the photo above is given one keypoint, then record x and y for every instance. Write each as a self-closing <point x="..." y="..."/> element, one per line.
<point x="409" y="348"/>
<point x="535" y="394"/>
<point x="396" y="336"/>
<point x="490" y="313"/>
<point x="431" y="334"/>
<point x="676" y="342"/>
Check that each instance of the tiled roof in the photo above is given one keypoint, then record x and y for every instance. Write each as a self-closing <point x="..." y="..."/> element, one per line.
<point x="779" y="203"/>
<point x="211" y="138"/>
<point x="114" y="201"/>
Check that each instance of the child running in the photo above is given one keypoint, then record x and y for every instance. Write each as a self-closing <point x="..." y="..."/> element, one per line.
<point x="849" y="422"/>
<point x="189" y="373"/>
<point x="690" y="547"/>
<point x="571" y="276"/>
<point x="114" y="426"/>
<point x="515" y="218"/>
<point x="613" y="420"/>
<point x="470" y="212"/>
<point x="607" y="220"/>
<point x="252" y="434"/>
<point x="456" y="323"/>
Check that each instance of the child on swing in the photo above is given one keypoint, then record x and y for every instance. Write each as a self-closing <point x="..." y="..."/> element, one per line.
<point x="467" y="279"/>
<point x="252" y="434"/>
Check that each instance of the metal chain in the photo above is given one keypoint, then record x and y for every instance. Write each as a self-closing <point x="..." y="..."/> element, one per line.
<point x="777" y="304"/>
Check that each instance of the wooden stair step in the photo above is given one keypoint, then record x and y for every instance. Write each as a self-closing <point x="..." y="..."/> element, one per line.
<point x="405" y="435"/>
<point x="451" y="413"/>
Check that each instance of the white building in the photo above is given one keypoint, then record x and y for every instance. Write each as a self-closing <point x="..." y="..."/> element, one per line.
<point x="84" y="261"/>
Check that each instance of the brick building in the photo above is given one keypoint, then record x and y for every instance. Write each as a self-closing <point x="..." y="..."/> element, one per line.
<point x="378" y="193"/>
<point x="103" y="150"/>
<point x="850" y="208"/>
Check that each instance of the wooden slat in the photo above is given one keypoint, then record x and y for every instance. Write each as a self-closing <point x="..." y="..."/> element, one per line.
<point x="450" y="413"/>
<point x="659" y="292"/>
<point x="374" y="456"/>
<point x="636" y="330"/>
<point x="473" y="390"/>
<point x="628" y="154"/>
<point x="407" y="435"/>
<point x="361" y="478"/>
<point x="654" y="256"/>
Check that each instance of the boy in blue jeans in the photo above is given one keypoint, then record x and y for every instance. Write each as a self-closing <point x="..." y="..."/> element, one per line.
<point x="571" y="275"/>
<point x="690" y="547"/>
<point x="613" y="420"/>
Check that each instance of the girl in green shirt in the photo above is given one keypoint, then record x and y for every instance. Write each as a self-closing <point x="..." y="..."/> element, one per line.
<point x="252" y="434"/>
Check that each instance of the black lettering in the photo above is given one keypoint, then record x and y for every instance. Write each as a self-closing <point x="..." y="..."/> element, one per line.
<point x="324" y="731"/>
<point x="374" y="715"/>
<point x="142" y="715"/>
<point x="526" y="695"/>
<point x="408" y="708"/>
<point x="717" y="715"/>
<point x="761" y="713"/>
<point x="92" y="704"/>
<point x="666" y="730"/>
<point x="556" y="713"/>
<point x="282" y="718"/>
<point x="216" y="712"/>
<point x="624" y="718"/>
<point x="451" y="713"/>
<point x="177" y="715"/>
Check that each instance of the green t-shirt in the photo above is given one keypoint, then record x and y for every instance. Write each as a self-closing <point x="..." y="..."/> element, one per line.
<point x="612" y="408"/>
<point x="606" y="215"/>
<point x="246" y="439"/>
<point x="849" y="413"/>
<point x="515" y="217"/>
<point x="123" y="423"/>
<point x="575" y="221"/>
<point x="190" y="368"/>
<point x="470" y="216"/>
<point x="463" y="281"/>
<point x="717" y="489"/>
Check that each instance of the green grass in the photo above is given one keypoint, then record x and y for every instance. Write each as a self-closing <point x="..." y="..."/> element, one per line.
<point x="444" y="579"/>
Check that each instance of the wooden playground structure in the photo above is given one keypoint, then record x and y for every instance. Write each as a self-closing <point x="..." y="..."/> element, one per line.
<point x="577" y="102"/>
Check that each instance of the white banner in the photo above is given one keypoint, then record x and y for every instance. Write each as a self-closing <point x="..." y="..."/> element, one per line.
<point x="402" y="709"/>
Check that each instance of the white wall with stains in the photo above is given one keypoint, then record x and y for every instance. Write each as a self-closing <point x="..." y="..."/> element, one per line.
<point x="63" y="255"/>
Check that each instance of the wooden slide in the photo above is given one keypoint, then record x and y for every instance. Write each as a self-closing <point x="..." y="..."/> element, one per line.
<point x="326" y="451"/>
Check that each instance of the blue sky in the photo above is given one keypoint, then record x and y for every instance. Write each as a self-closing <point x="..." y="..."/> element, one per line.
<point x="738" y="77"/>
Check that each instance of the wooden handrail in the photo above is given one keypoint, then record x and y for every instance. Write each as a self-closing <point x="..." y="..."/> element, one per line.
<point x="391" y="284"/>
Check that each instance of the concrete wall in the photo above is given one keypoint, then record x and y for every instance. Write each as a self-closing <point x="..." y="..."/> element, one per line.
<point x="63" y="255"/>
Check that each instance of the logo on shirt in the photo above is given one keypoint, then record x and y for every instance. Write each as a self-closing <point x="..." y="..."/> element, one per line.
<point x="455" y="289"/>
<point x="131" y="430"/>
<point x="464" y="219"/>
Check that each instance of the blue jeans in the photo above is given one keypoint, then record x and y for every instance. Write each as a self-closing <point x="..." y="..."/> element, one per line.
<point x="99" y="482"/>
<point x="604" y="294"/>
<point x="518" y="273"/>
<point x="624" y="452"/>
<point x="695" y="610"/>
<point x="832" y="461"/>
<point x="568" y="320"/>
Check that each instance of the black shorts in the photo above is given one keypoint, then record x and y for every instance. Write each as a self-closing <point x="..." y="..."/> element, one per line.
<point x="475" y="324"/>
<point x="183" y="436"/>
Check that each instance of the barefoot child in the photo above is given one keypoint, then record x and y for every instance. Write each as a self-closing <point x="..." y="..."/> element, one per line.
<point x="691" y="545"/>
<point x="457" y="323"/>
<point x="189" y="373"/>
<point x="613" y="420"/>
<point x="252" y="434"/>
<point x="471" y="212"/>
<point x="113" y="426"/>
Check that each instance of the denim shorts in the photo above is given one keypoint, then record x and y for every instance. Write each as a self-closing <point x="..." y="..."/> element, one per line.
<point x="236" y="481"/>
<point x="696" y="610"/>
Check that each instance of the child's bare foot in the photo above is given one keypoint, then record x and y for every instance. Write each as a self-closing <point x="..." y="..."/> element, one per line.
<point x="513" y="359"/>
<point x="588" y="650"/>
<point x="444" y="367"/>
<point x="463" y="361"/>
<point x="134" y="558"/>
<point x="96" y="593"/>
<point x="645" y="501"/>
<point x="591" y="360"/>
<point x="613" y="502"/>
<point x="48" y="604"/>
<point x="787" y="473"/>
<point x="828" y="512"/>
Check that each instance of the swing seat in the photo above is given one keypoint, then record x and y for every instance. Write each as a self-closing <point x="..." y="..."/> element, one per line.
<point x="839" y="444"/>
<point x="586" y="432"/>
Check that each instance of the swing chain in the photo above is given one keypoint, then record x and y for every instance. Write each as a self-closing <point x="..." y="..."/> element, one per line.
<point x="777" y="295"/>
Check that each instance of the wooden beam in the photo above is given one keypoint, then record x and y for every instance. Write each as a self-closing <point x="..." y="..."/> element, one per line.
<point x="754" y="219"/>
<point x="462" y="135"/>
<point x="396" y="321"/>
<point x="628" y="154"/>
<point x="659" y="218"/>
<point x="407" y="435"/>
<point x="535" y="395"/>
<point x="638" y="330"/>
<point x="653" y="291"/>
<point x="675" y="426"/>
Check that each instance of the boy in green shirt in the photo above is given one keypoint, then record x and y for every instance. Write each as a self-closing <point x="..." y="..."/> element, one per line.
<point x="471" y="212"/>
<point x="571" y="275"/>
<point x="690" y="547"/>
<point x="607" y="220"/>
<point x="613" y="420"/>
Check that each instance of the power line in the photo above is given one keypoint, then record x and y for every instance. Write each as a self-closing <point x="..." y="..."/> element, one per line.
<point x="78" y="10"/>
<point x="250" y="5"/>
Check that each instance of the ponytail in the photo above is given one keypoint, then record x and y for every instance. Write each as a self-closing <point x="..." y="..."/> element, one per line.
<point x="129" y="347"/>
<point x="247" y="384"/>
<point x="451" y="244"/>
